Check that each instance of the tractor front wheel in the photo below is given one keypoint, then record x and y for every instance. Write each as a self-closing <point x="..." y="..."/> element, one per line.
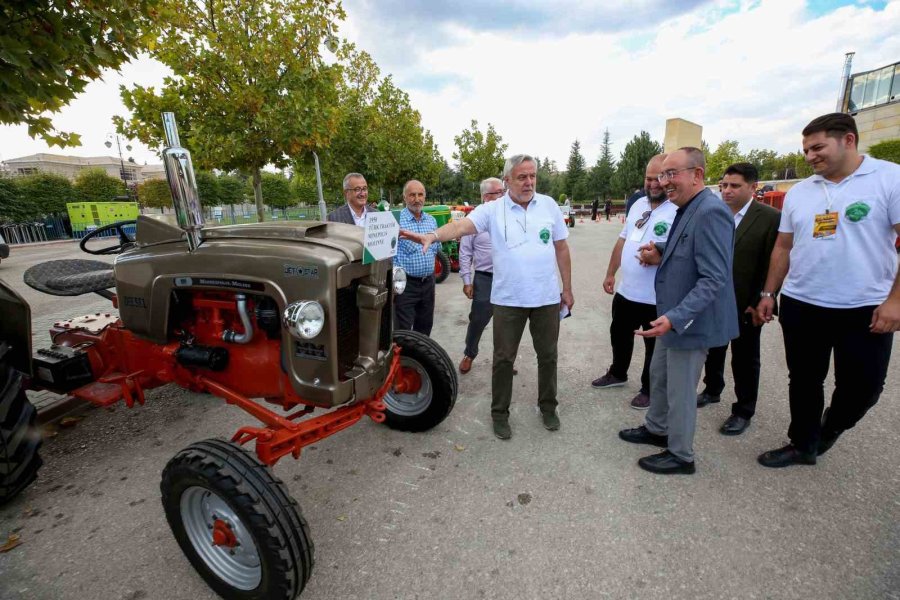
<point x="236" y="522"/>
<point x="425" y="389"/>
<point x="441" y="267"/>
<point x="20" y="438"/>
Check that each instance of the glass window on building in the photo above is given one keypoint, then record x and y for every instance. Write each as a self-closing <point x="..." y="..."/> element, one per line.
<point x="895" y="89"/>
<point x="857" y="93"/>
<point x="882" y="82"/>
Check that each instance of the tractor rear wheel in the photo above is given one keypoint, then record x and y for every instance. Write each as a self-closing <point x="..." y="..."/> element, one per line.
<point x="236" y="522"/>
<point x="20" y="438"/>
<point x="425" y="390"/>
<point x="441" y="267"/>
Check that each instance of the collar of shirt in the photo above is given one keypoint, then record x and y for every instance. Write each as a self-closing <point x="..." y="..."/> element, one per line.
<point x="865" y="167"/>
<point x="743" y="210"/>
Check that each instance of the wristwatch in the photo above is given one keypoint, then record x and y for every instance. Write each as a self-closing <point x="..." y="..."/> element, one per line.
<point x="767" y="294"/>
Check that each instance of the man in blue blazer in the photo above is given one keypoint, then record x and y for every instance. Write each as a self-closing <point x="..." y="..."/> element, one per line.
<point x="695" y="307"/>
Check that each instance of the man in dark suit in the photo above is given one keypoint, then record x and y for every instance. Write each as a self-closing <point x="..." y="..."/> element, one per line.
<point x="356" y="193"/>
<point x="756" y="227"/>
<point x="695" y="303"/>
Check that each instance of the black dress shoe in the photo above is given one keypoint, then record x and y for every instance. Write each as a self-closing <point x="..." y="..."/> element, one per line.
<point x="703" y="399"/>
<point x="640" y="435"/>
<point x="666" y="463"/>
<point x="785" y="457"/>
<point x="734" y="425"/>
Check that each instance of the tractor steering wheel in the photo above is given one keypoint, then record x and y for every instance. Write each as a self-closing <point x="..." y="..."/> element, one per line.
<point x="126" y="241"/>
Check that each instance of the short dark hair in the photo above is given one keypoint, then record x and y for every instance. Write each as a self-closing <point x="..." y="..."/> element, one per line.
<point x="745" y="170"/>
<point x="696" y="156"/>
<point x="835" y="125"/>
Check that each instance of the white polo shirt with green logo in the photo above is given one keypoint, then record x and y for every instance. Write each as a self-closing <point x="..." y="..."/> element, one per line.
<point x="522" y="249"/>
<point x="857" y="266"/>
<point x="638" y="282"/>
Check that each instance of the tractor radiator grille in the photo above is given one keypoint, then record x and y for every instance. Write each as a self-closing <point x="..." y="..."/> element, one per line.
<point x="347" y="328"/>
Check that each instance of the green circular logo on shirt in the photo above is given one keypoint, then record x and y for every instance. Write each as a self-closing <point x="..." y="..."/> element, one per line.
<point x="545" y="235"/>
<point x="660" y="228"/>
<point x="857" y="211"/>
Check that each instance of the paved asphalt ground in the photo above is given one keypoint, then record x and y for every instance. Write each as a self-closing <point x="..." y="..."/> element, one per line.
<point x="456" y="513"/>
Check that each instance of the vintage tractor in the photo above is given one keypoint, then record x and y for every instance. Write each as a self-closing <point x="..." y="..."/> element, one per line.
<point x="280" y="319"/>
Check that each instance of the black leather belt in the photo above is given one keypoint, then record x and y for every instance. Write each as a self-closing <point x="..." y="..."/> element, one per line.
<point x="485" y="273"/>
<point x="418" y="279"/>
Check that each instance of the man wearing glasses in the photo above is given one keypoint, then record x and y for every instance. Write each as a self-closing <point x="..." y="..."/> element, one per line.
<point x="634" y="303"/>
<point x="475" y="255"/>
<point x="695" y="303"/>
<point x="528" y="248"/>
<point x="356" y="193"/>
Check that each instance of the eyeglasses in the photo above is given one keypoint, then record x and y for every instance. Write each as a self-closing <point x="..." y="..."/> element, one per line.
<point x="671" y="173"/>
<point x="644" y="218"/>
<point x="358" y="190"/>
<point x="497" y="193"/>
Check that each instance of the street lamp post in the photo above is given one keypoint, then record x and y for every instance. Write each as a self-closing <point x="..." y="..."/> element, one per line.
<point x="108" y="144"/>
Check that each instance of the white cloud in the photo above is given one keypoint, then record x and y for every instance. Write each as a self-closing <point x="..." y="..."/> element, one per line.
<point x="754" y="71"/>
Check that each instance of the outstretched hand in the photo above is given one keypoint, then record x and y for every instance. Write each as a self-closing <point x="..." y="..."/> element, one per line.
<point x="425" y="239"/>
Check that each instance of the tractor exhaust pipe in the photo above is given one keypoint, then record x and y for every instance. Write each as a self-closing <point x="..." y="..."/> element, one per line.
<point x="182" y="184"/>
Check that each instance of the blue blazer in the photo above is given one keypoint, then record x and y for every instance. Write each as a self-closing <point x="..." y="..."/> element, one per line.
<point x="694" y="284"/>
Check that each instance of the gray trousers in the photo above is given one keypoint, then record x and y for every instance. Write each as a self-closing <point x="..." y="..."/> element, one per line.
<point x="673" y="397"/>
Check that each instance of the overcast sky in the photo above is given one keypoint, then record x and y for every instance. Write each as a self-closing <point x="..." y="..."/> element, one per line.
<point x="547" y="73"/>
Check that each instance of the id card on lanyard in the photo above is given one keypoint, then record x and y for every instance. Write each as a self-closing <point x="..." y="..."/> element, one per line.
<point x="826" y="224"/>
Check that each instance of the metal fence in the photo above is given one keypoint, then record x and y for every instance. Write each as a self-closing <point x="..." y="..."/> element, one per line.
<point x="47" y="229"/>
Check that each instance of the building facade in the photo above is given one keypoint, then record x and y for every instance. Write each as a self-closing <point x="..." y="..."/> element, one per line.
<point x="70" y="166"/>
<point x="873" y="99"/>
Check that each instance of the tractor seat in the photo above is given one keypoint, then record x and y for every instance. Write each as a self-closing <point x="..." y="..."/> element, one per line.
<point x="72" y="277"/>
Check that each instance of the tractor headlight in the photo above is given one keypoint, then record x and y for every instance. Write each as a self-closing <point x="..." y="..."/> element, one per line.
<point x="399" y="279"/>
<point x="304" y="319"/>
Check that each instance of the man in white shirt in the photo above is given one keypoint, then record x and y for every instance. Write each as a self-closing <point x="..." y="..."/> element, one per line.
<point x="356" y="193"/>
<point x="634" y="303"/>
<point x="528" y="247"/>
<point x="835" y="255"/>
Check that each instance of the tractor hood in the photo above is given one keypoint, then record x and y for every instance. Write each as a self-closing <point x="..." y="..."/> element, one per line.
<point x="340" y="236"/>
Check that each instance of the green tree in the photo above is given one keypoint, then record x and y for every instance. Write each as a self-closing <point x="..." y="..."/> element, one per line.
<point x="11" y="205"/>
<point x="480" y="155"/>
<point x="547" y="175"/>
<point x="232" y="189"/>
<point x="51" y="49"/>
<point x="303" y="186"/>
<point x="277" y="190"/>
<point x="95" y="185"/>
<point x="378" y="134"/>
<point x="725" y="155"/>
<point x="208" y="188"/>
<point x="154" y="193"/>
<point x="792" y="166"/>
<point x="601" y="177"/>
<point x="46" y="193"/>
<point x="452" y="187"/>
<point x="249" y="87"/>
<point x="576" y="176"/>
<point x="765" y="162"/>
<point x="633" y="163"/>
<point x="886" y="150"/>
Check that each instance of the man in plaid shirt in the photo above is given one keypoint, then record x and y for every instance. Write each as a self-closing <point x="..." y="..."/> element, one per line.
<point x="414" y="309"/>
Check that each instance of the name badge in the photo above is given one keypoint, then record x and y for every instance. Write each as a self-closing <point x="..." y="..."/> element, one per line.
<point x="825" y="226"/>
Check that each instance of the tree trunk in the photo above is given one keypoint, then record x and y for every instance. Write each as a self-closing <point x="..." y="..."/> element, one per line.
<point x="257" y="193"/>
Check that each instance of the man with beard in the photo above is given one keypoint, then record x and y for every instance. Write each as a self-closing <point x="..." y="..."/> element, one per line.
<point x="634" y="302"/>
<point x="695" y="303"/>
<point x="528" y="248"/>
<point x="414" y="308"/>
<point x="835" y="254"/>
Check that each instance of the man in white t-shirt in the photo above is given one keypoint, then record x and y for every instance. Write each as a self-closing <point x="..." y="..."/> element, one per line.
<point x="528" y="248"/>
<point x="634" y="303"/>
<point x="835" y="254"/>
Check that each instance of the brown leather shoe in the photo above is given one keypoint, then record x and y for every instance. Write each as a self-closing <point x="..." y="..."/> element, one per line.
<point x="465" y="365"/>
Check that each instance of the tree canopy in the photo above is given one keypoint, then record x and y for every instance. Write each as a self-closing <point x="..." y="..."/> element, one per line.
<point x="95" y="185"/>
<point x="249" y="87"/>
<point x="51" y="49"/>
<point x="633" y="163"/>
<point x="480" y="155"/>
<point x="601" y="175"/>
